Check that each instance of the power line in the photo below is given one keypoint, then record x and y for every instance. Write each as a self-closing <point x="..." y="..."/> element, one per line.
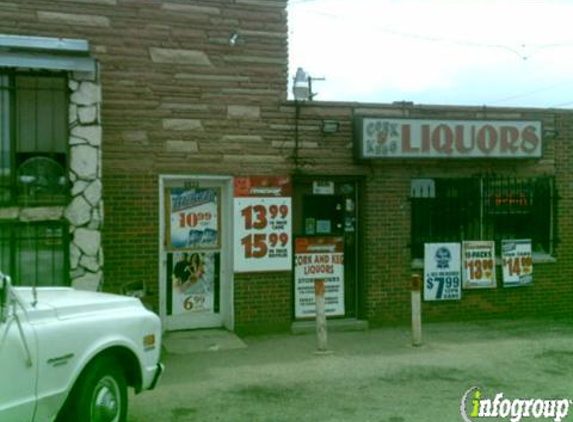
<point x="526" y="94"/>
<point x="521" y="54"/>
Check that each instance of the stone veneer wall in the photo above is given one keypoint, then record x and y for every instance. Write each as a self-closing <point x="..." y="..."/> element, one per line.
<point x="85" y="211"/>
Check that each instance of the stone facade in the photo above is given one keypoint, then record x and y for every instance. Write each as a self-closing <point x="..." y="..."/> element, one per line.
<point x="85" y="212"/>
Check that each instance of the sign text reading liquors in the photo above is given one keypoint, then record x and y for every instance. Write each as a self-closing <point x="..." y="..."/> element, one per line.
<point x="424" y="138"/>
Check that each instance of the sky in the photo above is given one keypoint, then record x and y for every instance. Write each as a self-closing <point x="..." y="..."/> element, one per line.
<point x="502" y="53"/>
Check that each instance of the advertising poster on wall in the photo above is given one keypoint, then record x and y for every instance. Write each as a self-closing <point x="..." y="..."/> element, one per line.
<point x="478" y="264"/>
<point x="194" y="278"/>
<point x="517" y="262"/>
<point x="442" y="271"/>
<point x="319" y="258"/>
<point x="262" y="224"/>
<point x="193" y="218"/>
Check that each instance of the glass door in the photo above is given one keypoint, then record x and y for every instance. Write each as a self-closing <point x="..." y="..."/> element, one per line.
<point x="196" y="290"/>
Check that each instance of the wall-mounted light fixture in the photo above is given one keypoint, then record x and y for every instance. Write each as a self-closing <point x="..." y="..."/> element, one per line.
<point x="330" y="126"/>
<point x="550" y="133"/>
<point x="233" y="38"/>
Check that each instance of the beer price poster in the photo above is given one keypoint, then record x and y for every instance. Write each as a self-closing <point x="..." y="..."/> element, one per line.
<point x="478" y="265"/>
<point x="442" y="271"/>
<point x="193" y="218"/>
<point x="319" y="258"/>
<point x="262" y="224"/>
<point x="517" y="262"/>
<point x="195" y="279"/>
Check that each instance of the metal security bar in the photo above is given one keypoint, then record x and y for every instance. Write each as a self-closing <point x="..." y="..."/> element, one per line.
<point x="486" y="208"/>
<point x="33" y="139"/>
<point x="35" y="253"/>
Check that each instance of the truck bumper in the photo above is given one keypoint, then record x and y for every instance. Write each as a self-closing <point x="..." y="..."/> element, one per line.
<point x="158" y="371"/>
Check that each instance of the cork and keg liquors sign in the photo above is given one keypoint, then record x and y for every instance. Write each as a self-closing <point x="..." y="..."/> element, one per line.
<point x="428" y="138"/>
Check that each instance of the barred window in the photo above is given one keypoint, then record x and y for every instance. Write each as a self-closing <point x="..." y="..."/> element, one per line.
<point x="33" y="139"/>
<point x="35" y="253"/>
<point x="483" y="208"/>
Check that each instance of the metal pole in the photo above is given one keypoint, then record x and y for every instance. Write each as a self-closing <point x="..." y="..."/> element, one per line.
<point x="320" y="314"/>
<point x="416" y="310"/>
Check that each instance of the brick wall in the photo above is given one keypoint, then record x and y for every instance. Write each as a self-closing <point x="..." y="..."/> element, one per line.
<point x="178" y="99"/>
<point x="387" y="212"/>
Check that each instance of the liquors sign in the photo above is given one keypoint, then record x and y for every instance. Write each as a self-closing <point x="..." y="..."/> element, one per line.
<point x="427" y="138"/>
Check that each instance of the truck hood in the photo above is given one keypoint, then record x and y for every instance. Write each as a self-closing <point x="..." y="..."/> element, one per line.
<point x="67" y="302"/>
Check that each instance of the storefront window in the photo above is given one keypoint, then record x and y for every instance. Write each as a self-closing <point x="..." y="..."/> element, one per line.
<point x="33" y="139"/>
<point x="483" y="208"/>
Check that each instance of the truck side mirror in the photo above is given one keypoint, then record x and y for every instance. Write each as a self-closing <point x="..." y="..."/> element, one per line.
<point x="4" y="296"/>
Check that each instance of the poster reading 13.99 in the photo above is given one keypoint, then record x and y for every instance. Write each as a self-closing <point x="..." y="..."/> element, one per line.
<point x="442" y="271"/>
<point x="263" y="224"/>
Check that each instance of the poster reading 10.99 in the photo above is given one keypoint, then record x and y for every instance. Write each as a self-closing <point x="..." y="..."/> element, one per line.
<point x="442" y="271"/>
<point x="262" y="224"/>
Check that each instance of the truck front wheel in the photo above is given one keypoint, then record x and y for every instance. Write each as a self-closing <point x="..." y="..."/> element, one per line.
<point x="100" y="394"/>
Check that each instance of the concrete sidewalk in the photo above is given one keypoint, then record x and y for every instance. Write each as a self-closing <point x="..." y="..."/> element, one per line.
<point x="373" y="375"/>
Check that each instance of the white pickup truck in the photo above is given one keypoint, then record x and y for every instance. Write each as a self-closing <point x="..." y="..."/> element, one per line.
<point x="69" y="356"/>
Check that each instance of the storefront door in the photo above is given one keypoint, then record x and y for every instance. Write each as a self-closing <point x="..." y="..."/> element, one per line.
<point x="195" y="271"/>
<point x="327" y="210"/>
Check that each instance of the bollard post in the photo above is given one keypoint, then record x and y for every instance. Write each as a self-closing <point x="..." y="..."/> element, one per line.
<point x="416" y="310"/>
<point x="320" y="314"/>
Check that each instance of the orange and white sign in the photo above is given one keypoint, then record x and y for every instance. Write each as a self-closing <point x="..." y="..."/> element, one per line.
<point x="319" y="258"/>
<point x="263" y="224"/>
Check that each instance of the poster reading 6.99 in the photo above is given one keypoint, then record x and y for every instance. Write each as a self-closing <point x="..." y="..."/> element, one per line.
<point x="263" y="224"/>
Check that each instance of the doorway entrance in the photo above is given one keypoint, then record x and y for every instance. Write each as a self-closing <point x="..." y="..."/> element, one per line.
<point x="195" y="270"/>
<point x="328" y="208"/>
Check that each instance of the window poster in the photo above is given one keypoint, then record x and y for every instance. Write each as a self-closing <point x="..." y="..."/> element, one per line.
<point x="478" y="264"/>
<point x="319" y="258"/>
<point x="262" y="224"/>
<point x="517" y="262"/>
<point x="193" y="218"/>
<point x="195" y="279"/>
<point x="442" y="271"/>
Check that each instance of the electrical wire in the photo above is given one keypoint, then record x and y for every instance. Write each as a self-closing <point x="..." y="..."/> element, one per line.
<point x="523" y="51"/>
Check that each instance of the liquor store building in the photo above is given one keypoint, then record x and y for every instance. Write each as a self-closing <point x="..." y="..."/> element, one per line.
<point x="149" y="148"/>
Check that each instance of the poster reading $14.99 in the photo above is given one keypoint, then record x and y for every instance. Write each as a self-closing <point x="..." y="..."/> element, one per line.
<point x="517" y="262"/>
<point x="442" y="271"/>
<point x="262" y="224"/>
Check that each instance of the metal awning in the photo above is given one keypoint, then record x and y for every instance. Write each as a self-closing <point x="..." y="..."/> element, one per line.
<point x="45" y="53"/>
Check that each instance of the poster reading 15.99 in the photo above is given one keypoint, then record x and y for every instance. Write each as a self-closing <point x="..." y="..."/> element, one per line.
<point x="263" y="224"/>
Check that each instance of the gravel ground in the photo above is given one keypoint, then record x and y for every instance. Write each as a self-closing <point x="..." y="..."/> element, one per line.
<point x="370" y="376"/>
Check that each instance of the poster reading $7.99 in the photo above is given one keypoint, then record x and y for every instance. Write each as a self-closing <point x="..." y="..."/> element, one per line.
<point x="262" y="224"/>
<point x="442" y="271"/>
